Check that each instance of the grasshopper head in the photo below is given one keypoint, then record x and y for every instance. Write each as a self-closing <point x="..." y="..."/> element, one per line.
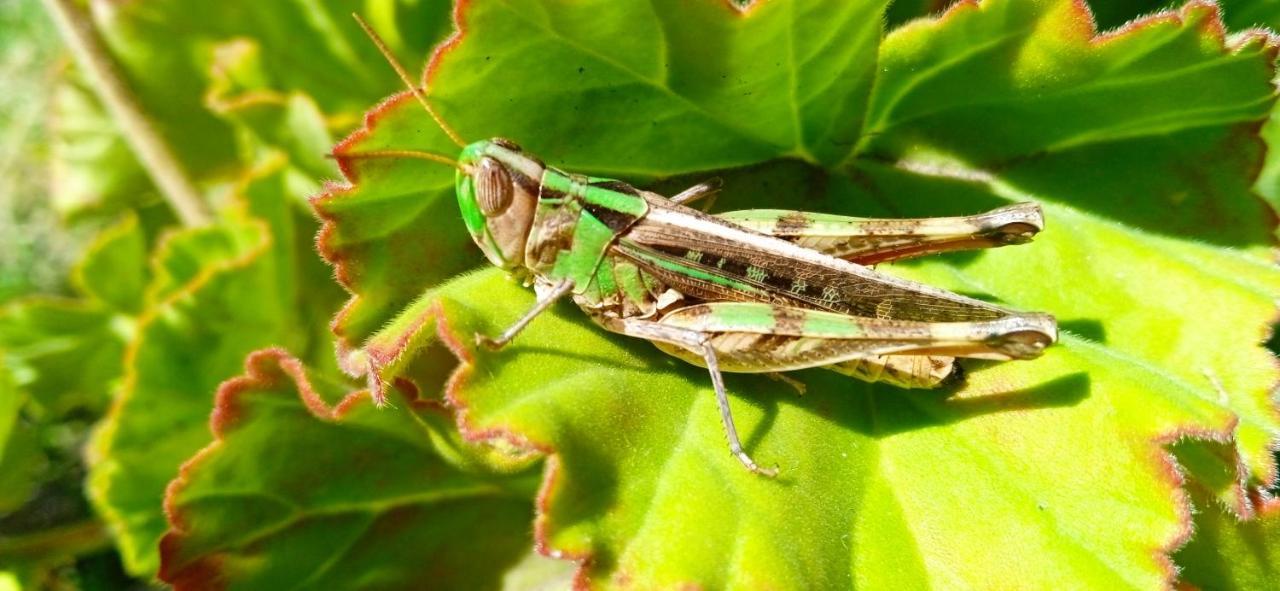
<point x="497" y="186"/>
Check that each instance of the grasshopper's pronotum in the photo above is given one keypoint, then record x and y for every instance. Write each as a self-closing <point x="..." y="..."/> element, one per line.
<point x="755" y="291"/>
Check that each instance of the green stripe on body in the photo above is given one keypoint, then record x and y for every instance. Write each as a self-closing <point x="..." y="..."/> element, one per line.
<point x="620" y="202"/>
<point x="624" y="203"/>
<point x="690" y="271"/>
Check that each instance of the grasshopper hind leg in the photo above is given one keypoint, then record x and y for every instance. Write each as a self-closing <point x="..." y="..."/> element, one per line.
<point x="693" y="341"/>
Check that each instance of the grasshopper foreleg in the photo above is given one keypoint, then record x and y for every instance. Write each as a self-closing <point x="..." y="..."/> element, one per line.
<point x="558" y="291"/>
<point x="701" y="344"/>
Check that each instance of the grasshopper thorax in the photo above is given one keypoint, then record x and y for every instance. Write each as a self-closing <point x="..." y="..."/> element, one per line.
<point x="497" y="186"/>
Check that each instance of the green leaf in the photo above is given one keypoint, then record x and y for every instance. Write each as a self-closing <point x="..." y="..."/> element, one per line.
<point x="1142" y="147"/>
<point x="10" y="406"/>
<point x="114" y="271"/>
<point x="242" y="92"/>
<point x="1166" y="146"/>
<point x="311" y="47"/>
<point x="902" y="11"/>
<point x="21" y="459"/>
<point x="182" y="61"/>
<point x="779" y="86"/>
<point x="1242" y="14"/>
<point x="273" y="502"/>
<point x="1230" y="555"/>
<point x="92" y="169"/>
<point x="218" y="293"/>
<point x="40" y="337"/>
<point x="1237" y="14"/>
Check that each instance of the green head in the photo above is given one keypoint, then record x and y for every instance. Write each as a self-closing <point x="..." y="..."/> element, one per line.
<point x="497" y="185"/>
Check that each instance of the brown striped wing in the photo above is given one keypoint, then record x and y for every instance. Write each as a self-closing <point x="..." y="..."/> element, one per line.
<point x="711" y="259"/>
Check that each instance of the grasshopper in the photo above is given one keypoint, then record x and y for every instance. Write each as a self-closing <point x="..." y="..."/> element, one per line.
<point x="760" y="291"/>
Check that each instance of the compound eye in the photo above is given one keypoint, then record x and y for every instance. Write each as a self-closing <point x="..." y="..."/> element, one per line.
<point x="506" y="143"/>
<point x="493" y="187"/>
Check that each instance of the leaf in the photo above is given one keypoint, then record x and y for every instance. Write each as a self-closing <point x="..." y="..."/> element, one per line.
<point x="114" y="271"/>
<point x="242" y="92"/>
<point x="1142" y="146"/>
<point x="263" y="506"/>
<point x="1237" y="14"/>
<point x="311" y="47"/>
<point x="92" y="170"/>
<point x="21" y="459"/>
<point x="1241" y="14"/>
<point x="903" y="11"/>
<point x="1228" y="554"/>
<point x="779" y="88"/>
<point x="42" y="336"/>
<point x="173" y="54"/>
<point x="219" y="293"/>
<point x="1185" y="171"/>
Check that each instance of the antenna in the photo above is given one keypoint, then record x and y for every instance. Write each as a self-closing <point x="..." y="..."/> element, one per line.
<point x="404" y="76"/>
<point x="418" y="154"/>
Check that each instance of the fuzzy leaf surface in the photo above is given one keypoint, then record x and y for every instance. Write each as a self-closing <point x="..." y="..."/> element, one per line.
<point x="1228" y="554"/>
<point x="272" y="503"/>
<point x="1141" y="145"/>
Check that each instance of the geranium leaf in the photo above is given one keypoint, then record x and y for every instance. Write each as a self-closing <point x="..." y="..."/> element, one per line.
<point x="174" y="56"/>
<point x="115" y="269"/>
<point x="778" y="87"/>
<point x="1228" y="554"/>
<point x="218" y="293"/>
<point x="272" y="502"/>
<point x="1142" y="146"/>
<point x="93" y="171"/>
<point x="21" y="459"/>
<point x="42" y="336"/>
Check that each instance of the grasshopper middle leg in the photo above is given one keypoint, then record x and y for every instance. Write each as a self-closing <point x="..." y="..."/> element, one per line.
<point x="694" y="341"/>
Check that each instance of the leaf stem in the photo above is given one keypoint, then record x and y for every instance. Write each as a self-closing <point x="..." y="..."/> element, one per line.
<point x="151" y="150"/>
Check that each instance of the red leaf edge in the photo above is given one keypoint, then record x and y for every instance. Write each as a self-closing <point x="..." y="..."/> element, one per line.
<point x="1163" y="459"/>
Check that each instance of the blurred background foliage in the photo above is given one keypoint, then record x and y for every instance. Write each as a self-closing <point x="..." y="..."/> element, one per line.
<point x="110" y="306"/>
